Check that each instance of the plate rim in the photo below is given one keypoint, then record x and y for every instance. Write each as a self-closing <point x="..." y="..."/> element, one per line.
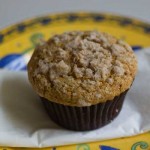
<point x="72" y="16"/>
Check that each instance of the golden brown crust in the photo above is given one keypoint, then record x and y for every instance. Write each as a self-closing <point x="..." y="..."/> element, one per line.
<point x="82" y="68"/>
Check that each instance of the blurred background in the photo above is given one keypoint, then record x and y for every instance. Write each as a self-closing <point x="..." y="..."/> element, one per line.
<point x="12" y="11"/>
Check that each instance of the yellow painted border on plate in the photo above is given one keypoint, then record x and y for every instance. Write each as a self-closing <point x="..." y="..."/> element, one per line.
<point x="18" y="37"/>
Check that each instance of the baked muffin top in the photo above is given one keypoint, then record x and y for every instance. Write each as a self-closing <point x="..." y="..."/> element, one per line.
<point x="82" y="68"/>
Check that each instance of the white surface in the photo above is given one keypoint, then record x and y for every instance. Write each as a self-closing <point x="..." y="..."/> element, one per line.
<point x="24" y="122"/>
<point x="12" y="11"/>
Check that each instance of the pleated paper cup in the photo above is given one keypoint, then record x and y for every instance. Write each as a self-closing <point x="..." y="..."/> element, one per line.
<point x="84" y="118"/>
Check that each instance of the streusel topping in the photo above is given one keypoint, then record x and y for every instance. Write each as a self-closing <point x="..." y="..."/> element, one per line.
<point x="82" y="68"/>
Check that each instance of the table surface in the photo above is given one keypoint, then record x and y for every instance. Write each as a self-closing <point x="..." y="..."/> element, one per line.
<point x="13" y="11"/>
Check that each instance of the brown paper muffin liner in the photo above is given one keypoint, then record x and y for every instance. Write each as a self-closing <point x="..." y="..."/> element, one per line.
<point x="84" y="118"/>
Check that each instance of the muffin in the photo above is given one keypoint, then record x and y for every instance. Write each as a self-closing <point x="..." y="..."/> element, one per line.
<point x="82" y="77"/>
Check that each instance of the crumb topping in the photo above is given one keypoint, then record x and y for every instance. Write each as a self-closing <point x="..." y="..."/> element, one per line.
<point x="83" y="65"/>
